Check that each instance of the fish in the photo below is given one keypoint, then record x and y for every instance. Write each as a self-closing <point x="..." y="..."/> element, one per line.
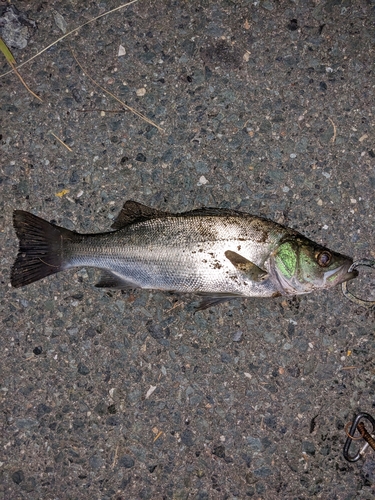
<point x="219" y="254"/>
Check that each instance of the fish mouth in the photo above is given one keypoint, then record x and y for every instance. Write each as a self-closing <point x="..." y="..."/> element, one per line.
<point x="342" y="274"/>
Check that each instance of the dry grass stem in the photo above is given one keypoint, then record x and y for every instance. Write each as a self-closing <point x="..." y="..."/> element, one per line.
<point x="334" y="131"/>
<point x="12" y="63"/>
<point x="134" y="111"/>
<point x="25" y="84"/>
<point x="70" y="33"/>
<point x="61" y="142"/>
<point x="160" y="433"/>
<point x="115" y="457"/>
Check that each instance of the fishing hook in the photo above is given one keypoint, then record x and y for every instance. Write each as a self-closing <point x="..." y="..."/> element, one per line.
<point x="344" y="285"/>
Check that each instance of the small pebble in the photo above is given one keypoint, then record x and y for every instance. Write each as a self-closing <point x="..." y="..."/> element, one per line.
<point x="126" y="461"/>
<point x="150" y="391"/>
<point x="60" y="21"/>
<point x="237" y="336"/>
<point x="202" y="181"/>
<point x="121" y="51"/>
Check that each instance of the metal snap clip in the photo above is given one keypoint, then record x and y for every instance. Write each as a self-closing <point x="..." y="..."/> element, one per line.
<point x="359" y="426"/>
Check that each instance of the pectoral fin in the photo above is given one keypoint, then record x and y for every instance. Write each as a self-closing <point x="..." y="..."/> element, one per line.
<point x="254" y="272"/>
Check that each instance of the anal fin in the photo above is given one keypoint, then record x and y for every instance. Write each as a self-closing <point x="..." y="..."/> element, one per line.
<point x="209" y="300"/>
<point x="111" y="280"/>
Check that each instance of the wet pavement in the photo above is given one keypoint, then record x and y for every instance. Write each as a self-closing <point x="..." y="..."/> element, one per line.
<point x="263" y="106"/>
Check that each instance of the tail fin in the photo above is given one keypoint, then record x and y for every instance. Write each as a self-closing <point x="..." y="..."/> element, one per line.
<point x="40" y="251"/>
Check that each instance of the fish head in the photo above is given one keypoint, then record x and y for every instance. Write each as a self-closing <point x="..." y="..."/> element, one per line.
<point x="302" y="266"/>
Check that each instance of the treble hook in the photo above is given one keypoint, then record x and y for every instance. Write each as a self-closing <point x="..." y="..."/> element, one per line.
<point x="344" y="285"/>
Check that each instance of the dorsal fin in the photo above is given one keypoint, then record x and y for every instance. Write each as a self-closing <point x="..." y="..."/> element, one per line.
<point x="132" y="212"/>
<point x="219" y="212"/>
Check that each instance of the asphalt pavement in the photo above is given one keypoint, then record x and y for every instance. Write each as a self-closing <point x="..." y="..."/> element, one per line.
<point x="262" y="106"/>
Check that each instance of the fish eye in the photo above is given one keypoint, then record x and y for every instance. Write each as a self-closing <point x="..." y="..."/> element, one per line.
<point x="324" y="258"/>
